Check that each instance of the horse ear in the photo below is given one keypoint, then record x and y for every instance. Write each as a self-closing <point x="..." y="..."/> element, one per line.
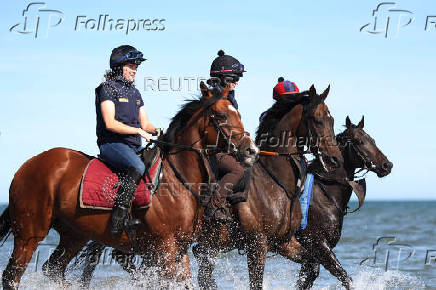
<point x="312" y="90"/>
<point x="348" y="123"/>
<point x="361" y="123"/>
<point x="325" y="93"/>
<point x="205" y="92"/>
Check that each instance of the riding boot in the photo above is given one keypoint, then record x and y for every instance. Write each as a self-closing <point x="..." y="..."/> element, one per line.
<point x="216" y="210"/>
<point x="123" y="201"/>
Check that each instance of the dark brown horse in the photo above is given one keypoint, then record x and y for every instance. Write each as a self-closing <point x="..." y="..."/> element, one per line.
<point x="44" y="195"/>
<point x="329" y="206"/>
<point x="270" y="216"/>
<point x="331" y="194"/>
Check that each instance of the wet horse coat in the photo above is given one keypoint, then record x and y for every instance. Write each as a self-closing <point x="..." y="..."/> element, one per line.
<point x="44" y="195"/>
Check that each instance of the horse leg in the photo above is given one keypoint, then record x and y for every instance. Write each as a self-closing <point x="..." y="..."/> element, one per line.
<point x="308" y="273"/>
<point x="125" y="260"/>
<point x="206" y="259"/>
<point x="322" y="253"/>
<point x="21" y="256"/>
<point x="69" y="245"/>
<point x="256" y="257"/>
<point x="184" y="272"/>
<point x="292" y="250"/>
<point x="30" y="225"/>
<point x="91" y="261"/>
<point x="166" y="259"/>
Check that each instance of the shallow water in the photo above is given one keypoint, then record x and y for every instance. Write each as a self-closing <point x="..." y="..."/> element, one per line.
<point x="402" y="229"/>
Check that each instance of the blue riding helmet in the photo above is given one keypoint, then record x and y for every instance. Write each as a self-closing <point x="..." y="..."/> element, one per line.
<point x="125" y="54"/>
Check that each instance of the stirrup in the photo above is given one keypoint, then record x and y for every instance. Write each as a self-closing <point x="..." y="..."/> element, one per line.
<point x="131" y="224"/>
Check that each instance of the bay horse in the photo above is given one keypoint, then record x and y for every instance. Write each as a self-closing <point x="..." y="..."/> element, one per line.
<point x="331" y="193"/>
<point x="329" y="206"/>
<point x="44" y="194"/>
<point x="270" y="216"/>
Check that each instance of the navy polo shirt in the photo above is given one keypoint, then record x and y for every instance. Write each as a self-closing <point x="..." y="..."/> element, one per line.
<point x="127" y="100"/>
<point x="232" y="99"/>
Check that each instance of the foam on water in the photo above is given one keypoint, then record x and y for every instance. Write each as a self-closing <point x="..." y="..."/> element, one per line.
<point x="365" y="279"/>
<point x="379" y="280"/>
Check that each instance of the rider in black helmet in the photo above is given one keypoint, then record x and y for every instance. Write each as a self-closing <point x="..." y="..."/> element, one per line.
<point x="227" y="70"/>
<point x="121" y="122"/>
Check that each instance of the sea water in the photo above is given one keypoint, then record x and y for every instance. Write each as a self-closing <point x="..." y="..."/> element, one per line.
<point x="386" y="245"/>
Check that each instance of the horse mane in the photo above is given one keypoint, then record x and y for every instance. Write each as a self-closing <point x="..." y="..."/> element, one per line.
<point x="191" y="106"/>
<point x="277" y="111"/>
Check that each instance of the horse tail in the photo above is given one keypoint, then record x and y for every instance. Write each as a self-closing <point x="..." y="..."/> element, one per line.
<point x="5" y="226"/>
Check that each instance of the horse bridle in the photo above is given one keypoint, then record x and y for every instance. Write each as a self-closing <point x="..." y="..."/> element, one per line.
<point x="203" y="153"/>
<point x="319" y="154"/>
<point x="368" y="165"/>
<point x="214" y="117"/>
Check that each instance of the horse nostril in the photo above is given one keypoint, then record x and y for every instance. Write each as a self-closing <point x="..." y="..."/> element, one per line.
<point x="387" y="165"/>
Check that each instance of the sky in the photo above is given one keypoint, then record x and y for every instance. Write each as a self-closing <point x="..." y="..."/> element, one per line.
<point x="48" y="75"/>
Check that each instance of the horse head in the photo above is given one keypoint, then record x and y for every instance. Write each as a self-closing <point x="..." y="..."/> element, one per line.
<point x="305" y="117"/>
<point x="317" y="126"/>
<point x="361" y="151"/>
<point x="223" y="128"/>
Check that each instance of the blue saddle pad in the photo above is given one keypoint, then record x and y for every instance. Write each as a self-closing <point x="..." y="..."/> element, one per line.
<point x="305" y="198"/>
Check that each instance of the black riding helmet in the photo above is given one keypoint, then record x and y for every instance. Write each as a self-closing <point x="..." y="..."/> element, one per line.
<point x="226" y="66"/>
<point x="125" y="54"/>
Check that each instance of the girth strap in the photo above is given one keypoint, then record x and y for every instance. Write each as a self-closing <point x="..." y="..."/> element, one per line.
<point x="289" y="193"/>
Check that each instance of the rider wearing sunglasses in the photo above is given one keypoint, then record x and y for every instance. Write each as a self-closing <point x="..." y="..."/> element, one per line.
<point x="121" y="122"/>
<point x="227" y="70"/>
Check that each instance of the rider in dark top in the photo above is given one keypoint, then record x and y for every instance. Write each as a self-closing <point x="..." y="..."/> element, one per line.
<point x="227" y="70"/>
<point x="121" y="122"/>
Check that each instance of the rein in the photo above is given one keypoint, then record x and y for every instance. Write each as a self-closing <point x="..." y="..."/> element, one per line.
<point x="203" y="153"/>
<point x="351" y="146"/>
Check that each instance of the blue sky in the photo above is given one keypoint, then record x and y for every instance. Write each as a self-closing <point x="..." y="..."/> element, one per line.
<point x="48" y="82"/>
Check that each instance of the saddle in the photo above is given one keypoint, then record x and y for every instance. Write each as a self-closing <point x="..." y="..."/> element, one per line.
<point x="100" y="182"/>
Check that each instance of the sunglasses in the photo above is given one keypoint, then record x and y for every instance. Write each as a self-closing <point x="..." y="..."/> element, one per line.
<point x="231" y="79"/>
<point x="134" y="56"/>
<point x="240" y="68"/>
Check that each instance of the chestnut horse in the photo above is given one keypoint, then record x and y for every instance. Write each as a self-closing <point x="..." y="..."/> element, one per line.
<point x="270" y="216"/>
<point x="331" y="194"/>
<point x="44" y="195"/>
